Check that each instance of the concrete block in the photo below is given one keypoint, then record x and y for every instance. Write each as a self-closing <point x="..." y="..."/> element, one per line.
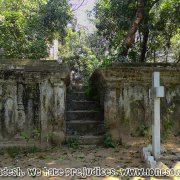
<point x="149" y="148"/>
<point x="163" y="149"/>
<point x="161" y="165"/>
<point x="176" y="166"/>
<point x="147" y="154"/>
<point x="159" y="92"/>
<point x="151" y="162"/>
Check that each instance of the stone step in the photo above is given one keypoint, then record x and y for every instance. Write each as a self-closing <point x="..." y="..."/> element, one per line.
<point x="21" y="144"/>
<point x="85" y="128"/>
<point x="77" y="96"/>
<point x="82" y="105"/>
<point x="77" y="88"/>
<point x="87" y="140"/>
<point x="81" y="115"/>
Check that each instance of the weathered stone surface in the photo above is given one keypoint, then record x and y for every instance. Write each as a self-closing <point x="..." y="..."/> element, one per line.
<point x="86" y="140"/>
<point x="151" y="162"/>
<point x="176" y="166"/>
<point x="161" y="166"/>
<point x="32" y="100"/>
<point x="123" y="90"/>
<point x="58" y="137"/>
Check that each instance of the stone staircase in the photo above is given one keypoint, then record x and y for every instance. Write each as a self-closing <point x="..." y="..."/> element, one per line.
<point x="84" y="120"/>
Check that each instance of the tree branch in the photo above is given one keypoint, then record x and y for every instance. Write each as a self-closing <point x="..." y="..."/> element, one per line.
<point x="130" y="38"/>
<point x="79" y="6"/>
<point x="154" y="2"/>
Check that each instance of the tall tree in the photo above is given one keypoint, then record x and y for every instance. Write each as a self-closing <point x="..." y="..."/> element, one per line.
<point x="135" y="30"/>
<point x="130" y="37"/>
<point x="26" y="27"/>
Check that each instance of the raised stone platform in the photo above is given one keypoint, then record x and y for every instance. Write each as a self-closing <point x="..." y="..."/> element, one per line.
<point x="32" y="100"/>
<point x="123" y="89"/>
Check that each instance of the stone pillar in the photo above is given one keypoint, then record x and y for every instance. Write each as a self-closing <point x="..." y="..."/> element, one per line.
<point x="30" y="115"/>
<point x="10" y="115"/>
<point x="59" y="127"/>
<point x="59" y="104"/>
<point x="21" y="113"/>
<point x="110" y="114"/>
<point x="46" y="93"/>
<point x="1" y="107"/>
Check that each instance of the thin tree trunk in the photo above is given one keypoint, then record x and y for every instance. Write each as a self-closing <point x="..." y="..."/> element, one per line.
<point x="130" y="38"/>
<point x="144" y="46"/>
<point x="154" y="52"/>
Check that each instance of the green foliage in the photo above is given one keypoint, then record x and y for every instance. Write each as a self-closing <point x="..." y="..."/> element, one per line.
<point x="16" y="151"/>
<point x="99" y="109"/>
<point x="13" y="152"/>
<point x="37" y="133"/>
<point x="143" y="131"/>
<point x="55" y="17"/>
<point x="25" y="135"/>
<point x="61" y="158"/>
<point x="33" y="149"/>
<point x="49" y="136"/>
<point x="106" y="62"/>
<point x="2" y="152"/>
<point x="164" y="136"/>
<point x="167" y="122"/>
<point x="80" y="157"/>
<point x="126" y="146"/>
<point x="90" y="93"/>
<point x="73" y="143"/>
<point x="113" y="20"/>
<point x="26" y="27"/>
<point x="154" y="37"/>
<point x="108" y="142"/>
<point x="76" y="51"/>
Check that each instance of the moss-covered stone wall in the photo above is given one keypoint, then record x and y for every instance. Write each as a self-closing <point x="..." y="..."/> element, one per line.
<point x="124" y="93"/>
<point x="32" y="100"/>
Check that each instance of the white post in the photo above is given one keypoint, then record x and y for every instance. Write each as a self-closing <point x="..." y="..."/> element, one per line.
<point x="157" y="92"/>
<point x="55" y="49"/>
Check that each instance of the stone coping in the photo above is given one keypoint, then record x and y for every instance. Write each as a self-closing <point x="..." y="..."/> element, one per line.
<point x="33" y="65"/>
<point x="136" y="72"/>
<point x="143" y="65"/>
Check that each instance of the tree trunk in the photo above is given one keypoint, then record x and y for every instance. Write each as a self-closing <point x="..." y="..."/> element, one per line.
<point x="144" y="46"/>
<point x="130" y="38"/>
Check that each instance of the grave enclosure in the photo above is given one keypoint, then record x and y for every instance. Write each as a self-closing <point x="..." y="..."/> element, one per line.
<point x="124" y="93"/>
<point x="33" y="99"/>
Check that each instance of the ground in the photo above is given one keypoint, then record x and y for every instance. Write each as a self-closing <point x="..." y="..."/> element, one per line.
<point x="127" y="155"/>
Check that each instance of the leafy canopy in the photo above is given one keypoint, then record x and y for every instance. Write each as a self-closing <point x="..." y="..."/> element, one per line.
<point x="27" y="26"/>
<point x="155" y="35"/>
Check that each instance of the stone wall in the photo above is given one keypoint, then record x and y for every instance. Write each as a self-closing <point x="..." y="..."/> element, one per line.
<point x="32" y="100"/>
<point x="124" y="93"/>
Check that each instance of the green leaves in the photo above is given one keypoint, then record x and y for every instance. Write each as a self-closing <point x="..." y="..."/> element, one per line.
<point x="26" y="27"/>
<point x="161" y="21"/>
<point x="56" y="15"/>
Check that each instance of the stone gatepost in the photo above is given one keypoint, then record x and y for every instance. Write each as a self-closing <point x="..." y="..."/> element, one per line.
<point x="32" y="99"/>
<point x="110" y="113"/>
<point x="21" y="113"/>
<point x="59" y="127"/>
<point x="52" y="111"/>
<point x="10" y="110"/>
<point x="59" y="104"/>
<point x="46" y="109"/>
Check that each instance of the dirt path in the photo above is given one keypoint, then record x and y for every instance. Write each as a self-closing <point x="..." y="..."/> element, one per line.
<point x="123" y="156"/>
